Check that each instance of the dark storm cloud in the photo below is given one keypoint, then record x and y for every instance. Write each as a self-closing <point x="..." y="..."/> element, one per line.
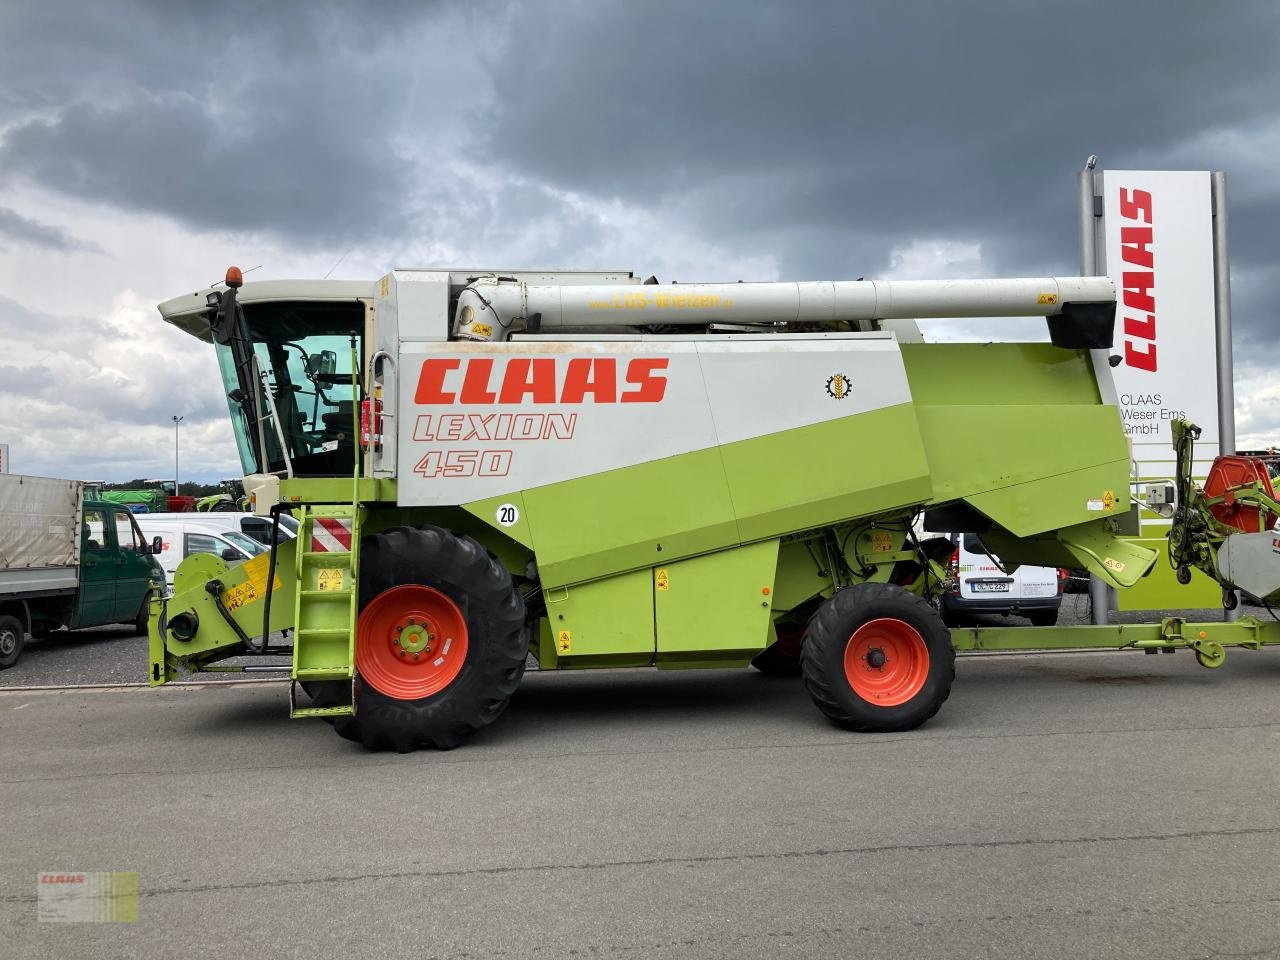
<point x="822" y="135"/>
<point x="20" y="229"/>
<point x="276" y="118"/>
<point x="876" y="120"/>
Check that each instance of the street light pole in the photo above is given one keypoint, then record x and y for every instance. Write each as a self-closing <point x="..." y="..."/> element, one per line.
<point x="176" y="420"/>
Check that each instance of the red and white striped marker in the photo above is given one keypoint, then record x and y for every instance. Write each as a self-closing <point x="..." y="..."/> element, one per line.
<point x="331" y="535"/>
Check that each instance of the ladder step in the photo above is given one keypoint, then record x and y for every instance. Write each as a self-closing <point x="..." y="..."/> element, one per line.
<point x="327" y="594"/>
<point x="344" y="710"/>
<point x="335" y="556"/>
<point x="322" y="673"/>
<point x="322" y="632"/>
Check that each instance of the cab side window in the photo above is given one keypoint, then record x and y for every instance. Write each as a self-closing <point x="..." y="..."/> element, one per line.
<point x="126" y="536"/>
<point x="200" y="543"/>
<point x="93" y="531"/>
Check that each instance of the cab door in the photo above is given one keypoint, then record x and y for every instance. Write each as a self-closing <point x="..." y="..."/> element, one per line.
<point x="133" y="567"/>
<point x="96" y="600"/>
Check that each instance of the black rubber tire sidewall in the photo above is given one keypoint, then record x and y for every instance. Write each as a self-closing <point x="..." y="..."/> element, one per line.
<point x="1043" y="618"/>
<point x="497" y="641"/>
<point x="142" y="620"/>
<point x="825" y="640"/>
<point x="8" y="622"/>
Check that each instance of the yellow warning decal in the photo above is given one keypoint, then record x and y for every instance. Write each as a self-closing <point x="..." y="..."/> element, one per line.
<point x="246" y="593"/>
<point x="881" y="541"/>
<point x="1108" y="499"/>
<point x="385" y="287"/>
<point x="329" y="578"/>
<point x="660" y="579"/>
<point x="564" y="642"/>
<point x="482" y="329"/>
<point x="1116" y="565"/>
<point x="1049" y="298"/>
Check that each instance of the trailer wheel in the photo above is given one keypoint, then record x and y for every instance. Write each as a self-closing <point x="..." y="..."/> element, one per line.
<point x="876" y="657"/>
<point x="440" y="643"/>
<point x="12" y="638"/>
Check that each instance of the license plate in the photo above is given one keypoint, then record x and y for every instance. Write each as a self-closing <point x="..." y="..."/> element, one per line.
<point x="997" y="587"/>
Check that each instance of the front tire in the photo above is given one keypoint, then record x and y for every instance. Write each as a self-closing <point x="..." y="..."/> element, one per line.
<point x="877" y="657"/>
<point x="440" y="643"/>
<point x="12" y="639"/>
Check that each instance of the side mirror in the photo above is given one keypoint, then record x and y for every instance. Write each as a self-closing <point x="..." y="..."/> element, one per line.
<point x="157" y="545"/>
<point x="231" y="554"/>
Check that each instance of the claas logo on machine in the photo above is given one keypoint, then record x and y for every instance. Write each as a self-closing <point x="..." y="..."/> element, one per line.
<point x="839" y="385"/>
<point x="445" y="380"/>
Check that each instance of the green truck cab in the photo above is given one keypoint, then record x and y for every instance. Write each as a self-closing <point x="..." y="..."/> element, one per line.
<point x="68" y="562"/>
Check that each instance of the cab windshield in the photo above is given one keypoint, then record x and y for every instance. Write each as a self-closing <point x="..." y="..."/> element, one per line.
<point x="305" y="351"/>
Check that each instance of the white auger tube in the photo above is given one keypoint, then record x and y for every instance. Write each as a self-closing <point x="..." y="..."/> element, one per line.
<point x="491" y="308"/>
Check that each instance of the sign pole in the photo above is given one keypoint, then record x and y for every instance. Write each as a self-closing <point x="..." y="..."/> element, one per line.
<point x="1099" y="595"/>
<point x="1222" y="316"/>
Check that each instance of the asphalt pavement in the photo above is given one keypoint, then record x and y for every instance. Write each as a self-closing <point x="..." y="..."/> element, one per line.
<point x="1103" y="805"/>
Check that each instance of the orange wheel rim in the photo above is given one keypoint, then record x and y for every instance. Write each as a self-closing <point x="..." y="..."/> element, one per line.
<point x="886" y="662"/>
<point x="411" y="642"/>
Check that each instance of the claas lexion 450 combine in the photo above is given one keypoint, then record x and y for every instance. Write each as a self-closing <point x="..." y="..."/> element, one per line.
<point x="603" y="472"/>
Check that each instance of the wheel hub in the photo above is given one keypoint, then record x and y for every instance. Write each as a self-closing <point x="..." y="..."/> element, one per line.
<point x="876" y="658"/>
<point x="8" y="642"/>
<point x="413" y="638"/>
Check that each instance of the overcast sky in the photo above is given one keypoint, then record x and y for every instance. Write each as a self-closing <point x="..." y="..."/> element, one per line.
<point x="145" y="146"/>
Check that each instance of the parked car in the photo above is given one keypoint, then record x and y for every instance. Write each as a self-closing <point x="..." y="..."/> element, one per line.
<point x="979" y="586"/>
<point x="235" y="537"/>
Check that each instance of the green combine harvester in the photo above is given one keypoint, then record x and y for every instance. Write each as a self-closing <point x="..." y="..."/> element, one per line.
<point x="603" y="472"/>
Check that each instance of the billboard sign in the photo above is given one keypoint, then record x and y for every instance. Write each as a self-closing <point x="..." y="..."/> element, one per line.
<point x="1158" y="249"/>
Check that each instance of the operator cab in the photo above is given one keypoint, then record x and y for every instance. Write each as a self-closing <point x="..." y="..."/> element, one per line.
<point x="305" y="351"/>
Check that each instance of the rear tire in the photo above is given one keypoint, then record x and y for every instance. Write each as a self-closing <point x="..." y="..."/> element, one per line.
<point x="12" y="639"/>
<point x="141" y="621"/>
<point x="473" y="611"/>
<point x="877" y="658"/>
<point x="1043" y="618"/>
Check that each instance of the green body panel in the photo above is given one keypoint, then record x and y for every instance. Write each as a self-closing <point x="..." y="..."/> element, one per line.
<point x="631" y="518"/>
<point x="708" y="500"/>
<point x="605" y="622"/>
<point x="804" y="571"/>
<point x="715" y="607"/>
<point x="948" y="374"/>
<point x="1160" y="590"/>
<point x="822" y="474"/>
<point x="337" y="490"/>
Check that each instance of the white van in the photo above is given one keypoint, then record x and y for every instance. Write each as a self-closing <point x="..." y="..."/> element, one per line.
<point x="980" y="586"/>
<point x="223" y="534"/>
